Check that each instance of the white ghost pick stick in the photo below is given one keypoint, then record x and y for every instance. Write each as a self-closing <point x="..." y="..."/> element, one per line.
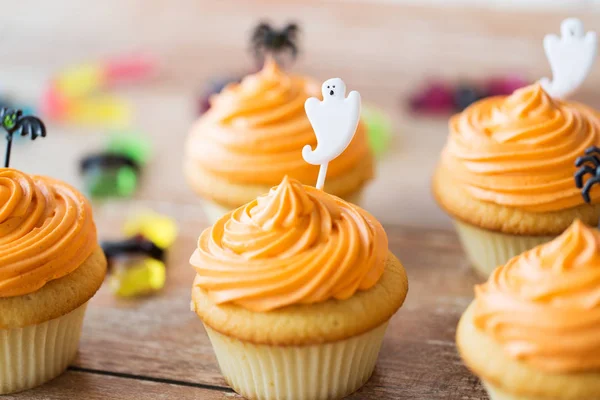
<point x="334" y="121"/>
<point x="571" y="57"/>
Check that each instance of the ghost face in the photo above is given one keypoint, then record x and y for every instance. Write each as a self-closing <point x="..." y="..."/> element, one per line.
<point x="333" y="88"/>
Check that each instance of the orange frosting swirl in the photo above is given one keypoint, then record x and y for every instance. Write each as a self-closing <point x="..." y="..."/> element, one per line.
<point x="543" y="306"/>
<point x="254" y="132"/>
<point x="46" y="231"/>
<point x="295" y="245"/>
<point x="519" y="151"/>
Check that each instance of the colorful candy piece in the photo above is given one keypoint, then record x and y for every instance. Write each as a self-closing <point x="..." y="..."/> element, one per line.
<point x="130" y="144"/>
<point x="379" y="129"/>
<point x="465" y="95"/>
<point x="76" y="94"/>
<point x="158" y="228"/>
<point x="54" y="104"/>
<point x="115" y="172"/>
<point x="109" y="175"/>
<point x="85" y="79"/>
<point x="129" y="68"/>
<point x="136" y="266"/>
<point x="137" y="276"/>
<point x="80" y="80"/>
<point x="111" y="182"/>
<point x="104" y="110"/>
<point x="437" y="98"/>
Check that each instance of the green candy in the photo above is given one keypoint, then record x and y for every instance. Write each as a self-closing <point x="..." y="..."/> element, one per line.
<point x="379" y="129"/>
<point x="111" y="182"/>
<point x="132" y="145"/>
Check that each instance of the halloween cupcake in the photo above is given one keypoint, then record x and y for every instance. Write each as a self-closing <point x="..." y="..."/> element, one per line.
<point x="506" y="173"/>
<point x="253" y="135"/>
<point x="533" y="330"/>
<point x="295" y="290"/>
<point x="50" y="266"/>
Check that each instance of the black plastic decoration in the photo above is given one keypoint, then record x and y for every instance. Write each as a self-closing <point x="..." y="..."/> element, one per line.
<point x="107" y="160"/>
<point x="136" y="245"/>
<point x="269" y="41"/>
<point x="14" y="122"/>
<point x="588" y="164"/>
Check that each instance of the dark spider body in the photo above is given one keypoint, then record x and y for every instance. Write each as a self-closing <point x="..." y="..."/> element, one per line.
<point x="14" y="122"/>
<point x="269" y="41"/>
<point x="588" y="164"/>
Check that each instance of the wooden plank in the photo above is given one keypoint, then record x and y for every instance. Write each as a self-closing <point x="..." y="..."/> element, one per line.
<point x="159" y="337"/>
<point x="93" y="386"/>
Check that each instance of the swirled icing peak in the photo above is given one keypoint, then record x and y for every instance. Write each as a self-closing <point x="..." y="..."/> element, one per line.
<point x="294" y="245"/>
<point x="543" y="306"/>
<point x="254" y="131"/>
<point x="46" y="231"/>
<point x="519" y="151"/>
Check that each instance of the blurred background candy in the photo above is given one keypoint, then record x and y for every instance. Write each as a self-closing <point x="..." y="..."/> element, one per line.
<point x="115" y="171"/>
<point x="80" y="93"/>
<point x="379" y="128"/>
<point x="138" y="263"/>
<point x="438" y="97"/>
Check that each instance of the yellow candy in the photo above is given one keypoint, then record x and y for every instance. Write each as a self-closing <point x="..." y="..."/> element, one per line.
<point x="137" y="277"/>
<point x="155" y="227"/>
<point x="80" y="81"/>
<point x="100" y="110"/>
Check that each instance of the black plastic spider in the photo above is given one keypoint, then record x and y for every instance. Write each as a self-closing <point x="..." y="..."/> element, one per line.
<point x="137" y="245"/>
<point x="13" y="122"/>
<point x="590" y="157"/>
<point x="267" y="40"/>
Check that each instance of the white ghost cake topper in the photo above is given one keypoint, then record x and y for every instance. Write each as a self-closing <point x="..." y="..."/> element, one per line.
<point x="334" y="121"/>
<point x="571" y="57"/>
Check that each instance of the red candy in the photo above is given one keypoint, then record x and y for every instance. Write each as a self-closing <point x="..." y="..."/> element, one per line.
<point x="437" y="98"/>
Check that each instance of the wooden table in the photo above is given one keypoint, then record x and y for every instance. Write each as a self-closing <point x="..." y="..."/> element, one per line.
<point x="155" y="348"/>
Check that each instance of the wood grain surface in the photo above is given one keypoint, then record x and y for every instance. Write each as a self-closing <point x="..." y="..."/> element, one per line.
<point x="158" y="340"/>
<point x="155" y="347"/>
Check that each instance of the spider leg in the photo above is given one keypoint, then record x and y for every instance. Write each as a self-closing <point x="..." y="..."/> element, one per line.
<point x="586" y="169"/>
<point x="291" y="30"/>
<point x="32" y="131"/>
<point x="591" y="158"/>
<point x="293" y="49"/>
<point x="26" y="129"/>
<point x="585" y="192"/>
<point x="259" y="38"/>
<point x="32" y="126"/>
<point x="593" y="149"/>
<point x="261" y="29"/>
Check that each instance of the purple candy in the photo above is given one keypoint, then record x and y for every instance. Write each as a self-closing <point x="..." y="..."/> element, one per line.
<point x="504" y="86"/>
<point x="437" y="97"/>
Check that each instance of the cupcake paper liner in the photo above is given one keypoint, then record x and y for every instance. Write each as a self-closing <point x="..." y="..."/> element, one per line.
<point x="38" y="353"/>
<point x="214" y="211"/>
<point x="486" y="250"/>
<point x="313" y="372"/>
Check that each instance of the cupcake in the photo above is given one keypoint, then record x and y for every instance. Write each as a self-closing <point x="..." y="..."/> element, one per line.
<point x="533" y="330"/>
<point x="253" y="135"/>
<point x="295" y="290"/>
<point x="506" y="173"/>
<point x="50" y="266"/>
